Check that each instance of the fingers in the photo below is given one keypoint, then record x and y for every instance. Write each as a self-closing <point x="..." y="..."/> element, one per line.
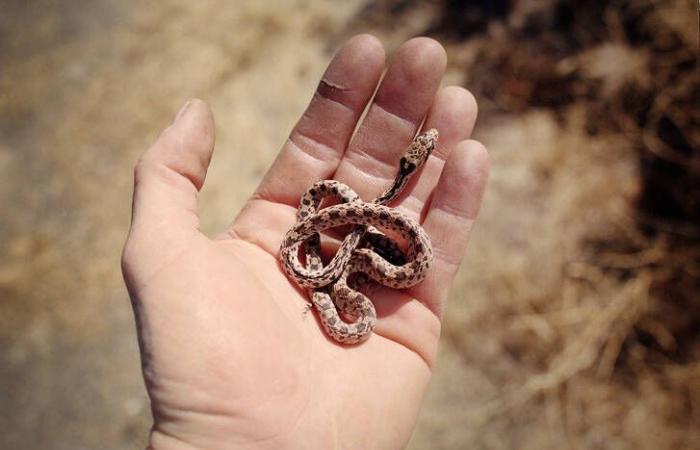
<point x="171" y="172"/>
<point x="321" y="136"/>
<point x="450" y="217"/>
<point x="401" y="103"/>
<point x="453" y="113"/>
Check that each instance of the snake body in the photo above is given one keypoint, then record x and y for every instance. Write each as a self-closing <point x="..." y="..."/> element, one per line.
<point x="365" y="253"/>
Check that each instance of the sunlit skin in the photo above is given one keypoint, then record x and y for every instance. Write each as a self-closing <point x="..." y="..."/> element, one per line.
<point x="230" y="359"/>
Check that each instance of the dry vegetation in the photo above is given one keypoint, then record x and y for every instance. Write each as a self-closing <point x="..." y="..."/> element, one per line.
<point x="575" y="320"/>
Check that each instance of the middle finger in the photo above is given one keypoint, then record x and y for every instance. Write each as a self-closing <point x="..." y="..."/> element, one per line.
<point x="400" y="105"/>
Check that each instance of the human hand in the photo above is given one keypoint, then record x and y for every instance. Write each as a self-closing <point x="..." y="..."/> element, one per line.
<point x="229" y="360"/>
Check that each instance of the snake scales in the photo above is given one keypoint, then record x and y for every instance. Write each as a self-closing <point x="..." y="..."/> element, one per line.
<point x="365" y="253"/>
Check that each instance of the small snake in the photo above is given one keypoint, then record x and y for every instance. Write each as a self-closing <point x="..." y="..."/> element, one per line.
<point x="365" y="253"/>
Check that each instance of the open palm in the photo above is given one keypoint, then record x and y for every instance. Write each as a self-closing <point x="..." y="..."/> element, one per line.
<point x="229" y="357"/>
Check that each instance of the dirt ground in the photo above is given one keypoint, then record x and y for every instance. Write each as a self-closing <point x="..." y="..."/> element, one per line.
<point x="575" y="319"/>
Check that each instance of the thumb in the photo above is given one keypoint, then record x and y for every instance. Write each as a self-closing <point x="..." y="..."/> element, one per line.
<point x="169" y="175"/>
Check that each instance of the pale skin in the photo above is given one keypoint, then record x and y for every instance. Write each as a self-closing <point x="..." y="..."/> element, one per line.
<point x="229" y="358"/>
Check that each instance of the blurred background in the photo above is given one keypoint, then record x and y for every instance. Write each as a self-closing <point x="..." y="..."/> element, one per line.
<point x="575" y="320"/>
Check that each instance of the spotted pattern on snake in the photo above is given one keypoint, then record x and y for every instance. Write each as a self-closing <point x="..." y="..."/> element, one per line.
<point x="365" y="253"/>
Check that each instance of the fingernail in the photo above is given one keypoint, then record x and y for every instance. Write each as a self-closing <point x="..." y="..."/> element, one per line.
<point x="182" y="110"/>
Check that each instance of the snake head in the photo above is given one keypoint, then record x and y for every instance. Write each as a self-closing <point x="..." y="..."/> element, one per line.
<point x="429" y="139"/>
<point x="418" y="152"/>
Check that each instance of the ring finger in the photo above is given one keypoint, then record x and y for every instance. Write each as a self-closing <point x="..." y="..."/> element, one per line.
<point x="399" y="107"/>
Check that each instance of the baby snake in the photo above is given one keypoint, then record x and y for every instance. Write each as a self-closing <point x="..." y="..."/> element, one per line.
<point x="364" y="253"/>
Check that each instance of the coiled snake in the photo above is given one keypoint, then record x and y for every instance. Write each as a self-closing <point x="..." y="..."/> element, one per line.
<point x="364" y="253"/>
